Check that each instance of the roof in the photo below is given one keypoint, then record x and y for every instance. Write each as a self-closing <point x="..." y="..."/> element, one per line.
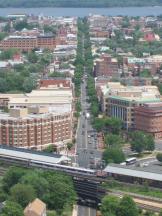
<point x="37" y="207"/>
<point x="32" y="155"/>
<point x="145" y="173"/>
<point x="137" y="99"/>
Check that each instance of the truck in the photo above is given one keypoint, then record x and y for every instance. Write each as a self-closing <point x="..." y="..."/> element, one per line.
<point x="87" y="115"/>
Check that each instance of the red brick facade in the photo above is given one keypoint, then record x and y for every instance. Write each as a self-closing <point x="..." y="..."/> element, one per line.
<point x="106" y="67"/>
<point x="28" y="43"/>
<point x="35" y="132"/>
<point x="45" y="83"/>
<point x="148" y="118"/>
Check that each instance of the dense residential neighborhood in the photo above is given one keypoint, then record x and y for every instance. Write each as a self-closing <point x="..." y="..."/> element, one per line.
<point x="80" y="115"/>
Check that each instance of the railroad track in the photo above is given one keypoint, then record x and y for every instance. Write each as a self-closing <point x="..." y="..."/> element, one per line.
<point x="143" y="202"/>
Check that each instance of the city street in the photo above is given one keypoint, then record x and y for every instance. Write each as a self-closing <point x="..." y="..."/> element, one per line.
<point x="86" y="211"/>
<point x="87" y="142"/>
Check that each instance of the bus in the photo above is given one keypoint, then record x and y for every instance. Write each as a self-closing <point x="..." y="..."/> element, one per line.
<point x="132" y="160"/>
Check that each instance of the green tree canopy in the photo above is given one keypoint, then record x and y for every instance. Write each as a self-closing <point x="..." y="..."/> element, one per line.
<point x="141" y="141"/>
<point x="12" y="209"/>
<point x="109" y="205"/>
<point x="159" y="157"/>
<point x="37" y="181"/>
<point x="12" y="176"/>
<point x="29" y="84"/>
<point x="113" y="140"/>
<point x="113" y="155"/>
<point x="127" y="207"/>
<point x="22" y="194"/>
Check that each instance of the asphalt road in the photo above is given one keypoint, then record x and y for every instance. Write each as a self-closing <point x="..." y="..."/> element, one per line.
<point x="86" y="211"/>
<point x="86" y="148"/>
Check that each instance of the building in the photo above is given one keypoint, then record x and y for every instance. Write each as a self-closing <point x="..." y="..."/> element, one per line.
<point x="55" y="82"/>
<point x="106" y="66"/>
<point x="151" y="174"/>
<point x="27" y="43"/>
<point x="36" y="208"/>
<point x="46" y="42"/>
<point x="35" y="127"/>
<point x="24" y="43"/>
<point x="56" y="97"/>
<point x="119" y="101"/>
<point x="148" y="118"/>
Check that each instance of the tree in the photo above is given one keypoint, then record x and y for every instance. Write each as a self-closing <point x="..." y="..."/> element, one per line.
<point x="2" y="35"/>
<point x="11" y="177"/>
<point x="8" y="54"/>
<point x="109" y="205"/>
<point x="12" y="209"/>
<point x="127" y="207"/>
<point x="159" y="157"/>
<point x="29" y="84"/>
<point x="99" y="124"/>
<point x="50" y="149"/>
<point x="114" y="125"/>
<point x="22" y="194"/>
<point x="3" y="85"/>
<point x="21" y="25"/>
<point x="145" y="73"/>
<point x="51" y="213"/>
<point x="113" y="140"/>
<point x="113" y="155"/>
<point x="141" y="141"/>
<point x="61" y="192"/>
<point x="150" y="143"/>
<point x="69" y="146"/>
<point x="32" y="57"/>
<point x="37" y="181"/>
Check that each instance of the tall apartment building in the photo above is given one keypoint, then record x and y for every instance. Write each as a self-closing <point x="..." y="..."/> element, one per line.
<point x="148" y="118"/>
<point x="27" y="43"/>
<point x="35" y="128"/>
<point x="106" y="66"/>
<point x="119" y="101"/>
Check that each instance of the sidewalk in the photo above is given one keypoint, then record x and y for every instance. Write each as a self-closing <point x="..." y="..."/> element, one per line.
<point x="75" y="210"/>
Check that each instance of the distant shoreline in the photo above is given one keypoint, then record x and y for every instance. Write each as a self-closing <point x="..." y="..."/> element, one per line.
<point x="95" y="7"/>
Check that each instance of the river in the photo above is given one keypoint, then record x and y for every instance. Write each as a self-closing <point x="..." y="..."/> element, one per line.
<point x="81" y="12"/>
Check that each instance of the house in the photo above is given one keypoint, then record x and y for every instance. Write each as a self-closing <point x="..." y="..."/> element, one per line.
<point x="36" y="208"/>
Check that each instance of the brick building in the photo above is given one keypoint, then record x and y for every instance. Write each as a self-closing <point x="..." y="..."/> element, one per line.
<point x="55" y="82"/>
<point x="106" y="66"/>
<point x="120" y="101"/>
<point x="148" y="118"/>
<point x="35" y="127"/>
<point x="27" y="43"/>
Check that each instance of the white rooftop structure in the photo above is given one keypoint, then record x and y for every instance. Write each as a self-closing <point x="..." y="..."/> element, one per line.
<point x="125" y="171"/>
<point x="31" y="155"/>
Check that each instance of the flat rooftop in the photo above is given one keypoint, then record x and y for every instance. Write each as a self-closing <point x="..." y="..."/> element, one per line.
<point x="149" y="172"/>
<point x="32" y="155"/>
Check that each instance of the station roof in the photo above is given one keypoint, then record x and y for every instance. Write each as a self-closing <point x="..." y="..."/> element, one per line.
<point x="33" y="155"/>
<point x="149" y="173"/>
